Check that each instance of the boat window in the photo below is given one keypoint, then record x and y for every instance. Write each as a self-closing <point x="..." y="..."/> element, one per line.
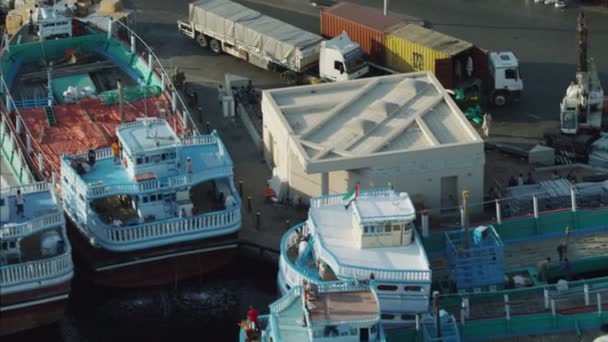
<point x="146" y="159"/>
<point x="81" y="198"/>
<point x="65" y="180"/>
<point x="145" y="199"/>
<point x="156" y="158"/>
<point x="138" y="161"/>
<point x="152" y="198"/>
<point x="354" y="331"/>
<point x="387" y="316"/>
<point x="373" y="329"/>
<point x="163" y="156"/>
<point x="408" y="317"/>
<point x="387" y="227"/>
<point x="387" y="287"/>
<point x="380" y="229"/>
<point x="413" y="288"/>
<point x="396" y="228"/>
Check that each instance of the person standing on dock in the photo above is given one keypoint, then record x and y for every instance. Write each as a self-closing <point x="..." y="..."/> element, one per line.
<point x="20" y="202"/>
<point x="542" y="269"/>
<point x="562" y="251"/>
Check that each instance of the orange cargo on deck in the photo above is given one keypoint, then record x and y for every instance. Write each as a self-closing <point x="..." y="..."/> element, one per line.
<point x="364" y="25"/>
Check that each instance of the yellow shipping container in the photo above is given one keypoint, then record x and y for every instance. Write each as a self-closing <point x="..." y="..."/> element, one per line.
<point x="411" y="47"/>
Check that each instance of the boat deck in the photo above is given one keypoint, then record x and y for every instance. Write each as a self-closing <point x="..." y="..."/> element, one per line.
<point x="343" y="306"/>
<point x="36" y="204"/>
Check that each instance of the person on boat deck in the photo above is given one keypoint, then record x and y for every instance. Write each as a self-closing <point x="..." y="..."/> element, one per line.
<point x="30" y="22"/>
<point x="252" y="315"/>
<point x="542" y="269"/>
<point x="20" y="202"/>
<point x="562" y="249"/>
<point x="270" y="195"/>
<point x="116" y="152"/>
<point x="512" y="181"/>
<point x="188" y="165"/>
<point x="116" y="222"/>
<point x="221" y="201"/>
<point x="230" y="201"/>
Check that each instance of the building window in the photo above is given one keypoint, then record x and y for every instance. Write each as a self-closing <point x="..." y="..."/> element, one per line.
<point x="413" y="288"/>
<point x="387" y="287"/>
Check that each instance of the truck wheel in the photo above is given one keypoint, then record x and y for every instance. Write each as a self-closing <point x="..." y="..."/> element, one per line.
<point x="202" y="41"/>
<point x="499" y="99"/>
<point x="216" y="46"/>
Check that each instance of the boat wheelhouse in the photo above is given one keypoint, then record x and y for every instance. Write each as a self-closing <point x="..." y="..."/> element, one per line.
<point x="35" y="258"/>
<point x="162" y="189"/>
<point x="67" y="95"/>
<point x="337" y="311"/>
<point x="374" y="238"/>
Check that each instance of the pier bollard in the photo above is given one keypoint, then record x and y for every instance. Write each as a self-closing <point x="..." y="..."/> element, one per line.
<point x="546" y="293"/>
<point x="258" y="220"/>
<point x="241" y="187"/>
<point x="573" y="198"/>
<point x="498" y="212"/>
<point x="535" y="205"/>
<point x="507" y="308"/>
<point x="249" y="204"/>
<point x="208" y="124"/>
<point x="462" y="312"/>
<point x="425" y="223"/>
<point x="586" y="289"/>
<point x="417" y="322"/>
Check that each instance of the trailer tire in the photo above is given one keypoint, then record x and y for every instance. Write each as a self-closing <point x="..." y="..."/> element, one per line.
<point x="499" y="99"/>
<point x="216" y="46"/>
<point x="202" y="40"/>
<point x="290" y="76"/>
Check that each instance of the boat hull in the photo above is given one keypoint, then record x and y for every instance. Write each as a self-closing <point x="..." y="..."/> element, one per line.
<point x="153" y="267"/>
<point x="31" y="309"/>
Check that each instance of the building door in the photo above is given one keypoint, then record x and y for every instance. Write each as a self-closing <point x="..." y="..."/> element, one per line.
<point x="449" y="194"/>
<point x="364" y="334"/>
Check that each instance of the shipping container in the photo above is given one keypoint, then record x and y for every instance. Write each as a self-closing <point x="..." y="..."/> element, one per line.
<point x="364" y="25"/>
<point x="411" y="47"/>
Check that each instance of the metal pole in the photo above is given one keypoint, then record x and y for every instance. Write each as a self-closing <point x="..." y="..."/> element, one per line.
<point x="241" y="187"/>
<point x="535" y="204"/>
<point x="436" y="311"/>
<point x="599" y="303"/>
<point x="40" y="162"/>
<point x="249" y="206"/>
<point x="507" y="308"/>
<point x="132" y="43"/>
<point x="553" y="307"/>
<point x="28" y="143"/>
<point x="110" y="29"/>
<point x="546" y="293"/>
<point x="573" y="198"/>
<point x="586" y="289"/>
<point x="465" y="209"/>
<point x="385" y="7"/>
<point x="121" y="109"/>
<point x="425" y="223"/>
<point x="498" y="212"/>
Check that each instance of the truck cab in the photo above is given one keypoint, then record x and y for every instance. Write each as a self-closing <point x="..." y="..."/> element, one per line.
<point x="341" y="59"/>
<point x="507" y="83"/>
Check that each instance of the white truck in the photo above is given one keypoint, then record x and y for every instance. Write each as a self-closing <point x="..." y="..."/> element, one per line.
<point x="227" y="27"/>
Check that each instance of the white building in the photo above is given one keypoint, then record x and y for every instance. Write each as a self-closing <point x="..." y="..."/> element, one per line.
<point x="400" y="129"/>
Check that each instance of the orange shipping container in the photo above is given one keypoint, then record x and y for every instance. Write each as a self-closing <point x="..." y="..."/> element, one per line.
<point x="364" y="25"/>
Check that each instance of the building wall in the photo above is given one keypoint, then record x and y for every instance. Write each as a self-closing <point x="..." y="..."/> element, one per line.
<point x="418" y="173"/>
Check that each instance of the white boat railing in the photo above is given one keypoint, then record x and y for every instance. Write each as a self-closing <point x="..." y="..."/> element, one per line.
<point x="36" y="270"/>
<point x="93" y="191"/>
<point x="331" y="200"/>
<point x="25" y="189"/>
<point x="285" y="301"/>
<point x="11" y="231"/>
<point x="164" y="229"/>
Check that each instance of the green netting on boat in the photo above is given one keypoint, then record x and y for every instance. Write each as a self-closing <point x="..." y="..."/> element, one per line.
<point x="130" y="94"/>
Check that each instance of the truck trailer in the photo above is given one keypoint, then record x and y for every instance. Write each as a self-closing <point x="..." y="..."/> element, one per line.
<point x="227" y="27"/>
<point x="397" y="44"/>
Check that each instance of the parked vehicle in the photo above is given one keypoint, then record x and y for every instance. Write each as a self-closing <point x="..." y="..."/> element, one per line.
<point x="394" y="44"/>
<point x="227" y="27"/>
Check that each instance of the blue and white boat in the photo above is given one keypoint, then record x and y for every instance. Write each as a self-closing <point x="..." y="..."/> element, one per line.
<point x="35" y="258"/>
<point x="65" y="89"/>
<point x="336" y="311"/>
<point x="372" y="238"/>
<point x="164" y="190"/>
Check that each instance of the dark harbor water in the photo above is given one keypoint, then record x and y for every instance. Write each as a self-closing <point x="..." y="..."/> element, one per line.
<point x="201" y="310"/>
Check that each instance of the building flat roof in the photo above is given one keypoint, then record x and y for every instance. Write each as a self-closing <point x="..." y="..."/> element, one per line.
<point x="333" y="225"/>
<point x="359" y="118"/>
